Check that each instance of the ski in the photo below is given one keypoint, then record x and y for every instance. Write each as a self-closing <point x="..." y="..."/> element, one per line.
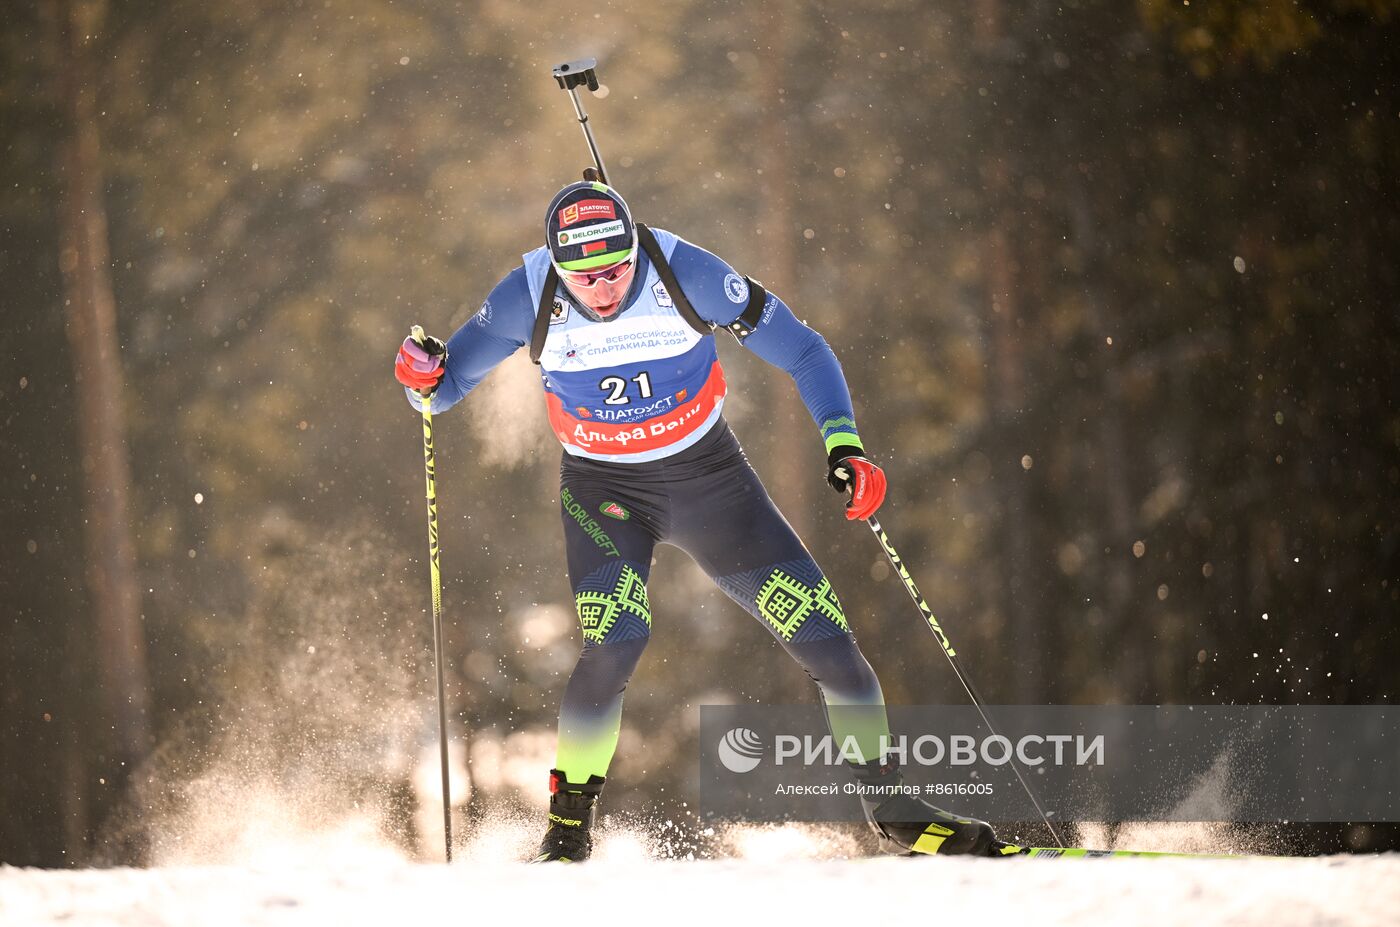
<point x="1084" y="853"/>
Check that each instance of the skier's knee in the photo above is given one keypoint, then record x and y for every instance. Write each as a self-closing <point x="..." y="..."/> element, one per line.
<point x="839" y="668"/>
<point x="794" y="599"/>
<point x="603" y="671"/>
<point x="612" y="605"/>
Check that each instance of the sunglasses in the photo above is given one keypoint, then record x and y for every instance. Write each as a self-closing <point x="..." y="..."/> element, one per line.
<point x="590" y="277"/>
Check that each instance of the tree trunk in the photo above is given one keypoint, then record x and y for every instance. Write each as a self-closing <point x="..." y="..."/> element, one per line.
<point x="91" y="325"/>
<point x="1007" y="395"/>
<point x="792" y="440"/>
<point x="1111" y="465"/>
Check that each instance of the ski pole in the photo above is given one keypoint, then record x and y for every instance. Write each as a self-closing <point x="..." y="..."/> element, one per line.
<point x="952" y="656"/>
<point x="435" y="570"/>
<point x="570" y="75"/>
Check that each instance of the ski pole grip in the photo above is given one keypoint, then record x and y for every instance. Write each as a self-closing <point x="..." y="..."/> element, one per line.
<point x="432" y="345"/>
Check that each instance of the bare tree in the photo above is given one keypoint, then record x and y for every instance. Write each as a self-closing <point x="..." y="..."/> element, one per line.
<point x="91" y="323"/>
<point x="1007" y="387"/>
<point x="788" y="427"/>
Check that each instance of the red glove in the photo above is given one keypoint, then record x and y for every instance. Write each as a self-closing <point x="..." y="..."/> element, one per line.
<point x="849" y="471"/>
<point x="419" y="366"/>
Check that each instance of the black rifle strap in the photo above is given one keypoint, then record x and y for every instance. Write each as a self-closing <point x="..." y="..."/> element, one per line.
<point x="544" y="314"/>
<point x="668" y="277"/>
<point x="748" y="320"/>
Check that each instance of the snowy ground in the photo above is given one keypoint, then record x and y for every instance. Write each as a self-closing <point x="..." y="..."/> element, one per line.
<point x="774" y="874"/>
<point x="961" y="892"/>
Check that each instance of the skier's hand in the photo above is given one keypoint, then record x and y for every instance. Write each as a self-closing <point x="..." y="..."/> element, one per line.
<point x="849" y="471"/>
<point x="419" y="366"/>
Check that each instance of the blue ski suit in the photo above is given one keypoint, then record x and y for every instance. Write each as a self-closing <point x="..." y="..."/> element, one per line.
<point x="636" y="401"/>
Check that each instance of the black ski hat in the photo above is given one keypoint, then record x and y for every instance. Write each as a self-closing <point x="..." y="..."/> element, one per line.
<point x="588" y="225"/>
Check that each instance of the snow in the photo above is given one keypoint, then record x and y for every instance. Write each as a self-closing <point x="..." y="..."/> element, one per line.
<point x="625" y="886"/>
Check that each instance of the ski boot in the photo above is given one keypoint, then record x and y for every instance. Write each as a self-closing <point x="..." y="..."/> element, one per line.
<point x="571" y="813"/>
<point x="907" y="825"/>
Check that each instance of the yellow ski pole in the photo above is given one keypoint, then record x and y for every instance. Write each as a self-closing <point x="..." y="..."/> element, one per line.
<point x="435" y="568"/>
<point x="893" y="556"/>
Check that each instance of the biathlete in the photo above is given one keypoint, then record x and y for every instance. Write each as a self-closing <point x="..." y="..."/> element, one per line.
<point x="620" y="318"/>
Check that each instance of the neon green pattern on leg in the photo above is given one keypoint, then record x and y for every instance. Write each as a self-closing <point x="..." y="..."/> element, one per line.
<point x="786" y="602"/>
<point x="599" y="611"/>
<point x="586" y="745"/>
<point x="867" y="726"/>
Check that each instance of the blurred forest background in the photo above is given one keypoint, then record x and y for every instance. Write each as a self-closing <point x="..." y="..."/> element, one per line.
<point x="1114" y="285"/>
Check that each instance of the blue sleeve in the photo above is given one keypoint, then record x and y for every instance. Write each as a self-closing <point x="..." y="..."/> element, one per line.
<point x="500" y="327"/>
<point x="720" y="295"/>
